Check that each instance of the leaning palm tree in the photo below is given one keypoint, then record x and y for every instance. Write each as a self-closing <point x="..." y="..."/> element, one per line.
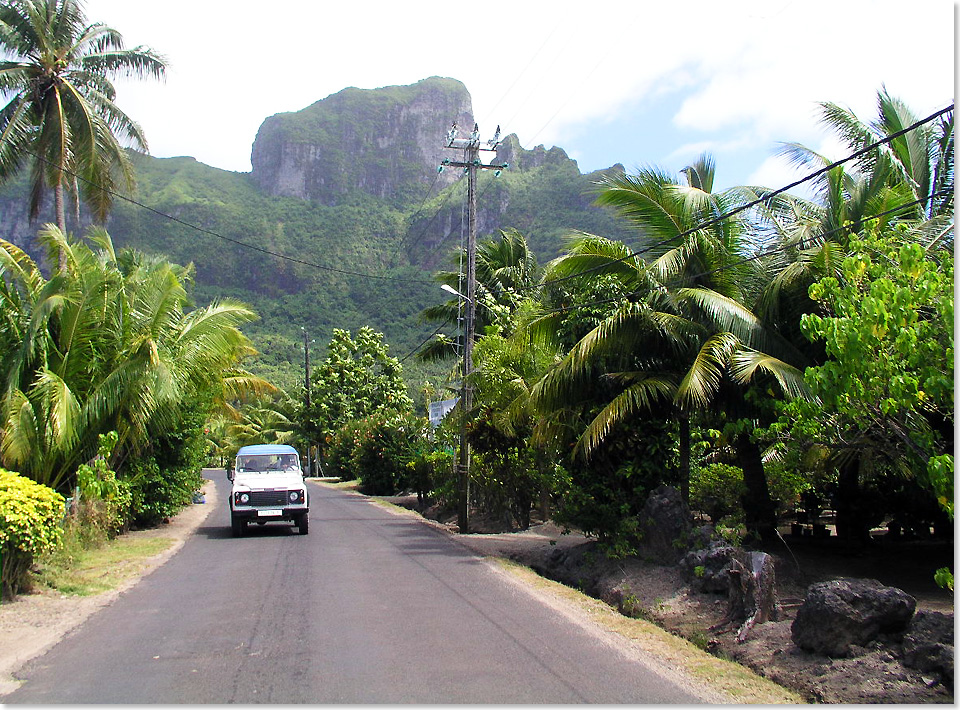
<point x="60" y="116"/>
<point x="681" y="335"/>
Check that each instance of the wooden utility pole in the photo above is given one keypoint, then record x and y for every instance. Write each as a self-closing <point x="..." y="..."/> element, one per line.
<point x="471" y="163"/>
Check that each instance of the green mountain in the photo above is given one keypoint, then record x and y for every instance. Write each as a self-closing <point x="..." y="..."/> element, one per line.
<point x="342" y="219"/>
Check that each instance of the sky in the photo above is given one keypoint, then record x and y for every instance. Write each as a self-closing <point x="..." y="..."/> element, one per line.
<point x="633" y="82"/>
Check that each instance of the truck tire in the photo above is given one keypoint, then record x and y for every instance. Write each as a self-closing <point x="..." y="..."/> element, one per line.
<point x="238" y="526"/>
<point x="303" y="524"/>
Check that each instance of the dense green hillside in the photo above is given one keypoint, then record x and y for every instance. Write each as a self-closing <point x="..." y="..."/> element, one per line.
<point x="360" y="259"/>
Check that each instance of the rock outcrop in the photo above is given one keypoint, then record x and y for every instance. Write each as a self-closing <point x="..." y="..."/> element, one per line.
<point x="665" y="526"/>
<point x="385" y="142"/>
<point x="842" y="613"/>
<point x="928" y="644"/>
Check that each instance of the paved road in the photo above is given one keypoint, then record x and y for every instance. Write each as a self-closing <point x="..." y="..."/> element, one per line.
<point x="369" y="607"/>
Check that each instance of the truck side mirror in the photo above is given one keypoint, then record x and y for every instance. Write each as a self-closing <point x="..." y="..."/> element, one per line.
<point x="229" y="474"/>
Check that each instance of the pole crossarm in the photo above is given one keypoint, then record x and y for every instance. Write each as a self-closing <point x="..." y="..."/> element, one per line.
<point x="474" y="164"/>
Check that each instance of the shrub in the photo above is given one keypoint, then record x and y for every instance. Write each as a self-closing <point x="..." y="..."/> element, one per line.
<point x="388" y="441"/>
<point x="426" y="470"/>
<point x="104" y="504"/>
<point x="604" y="496"/>
<point x="339" y="447"/>
<point x="158" y="493"/>
<point x="715" y="489"/>
<point x="30" y="517"/>
<point x="162" y="481"/>
<point x="376" y="449"/>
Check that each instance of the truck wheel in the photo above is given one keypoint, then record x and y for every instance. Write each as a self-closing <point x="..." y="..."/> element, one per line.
<point x="303" y="524"/>
<point x="237" y="526"/>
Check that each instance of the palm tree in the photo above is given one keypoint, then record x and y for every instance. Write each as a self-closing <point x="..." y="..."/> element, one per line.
<point x="60" y="114"/>
<point x="681" y="334"/>
<point x="914" y="171"/>
<point x="507" y="273"/>
<point x="105" y="344"/>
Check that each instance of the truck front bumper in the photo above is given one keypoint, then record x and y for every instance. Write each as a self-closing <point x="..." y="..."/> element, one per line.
<point x="265" y="515"/>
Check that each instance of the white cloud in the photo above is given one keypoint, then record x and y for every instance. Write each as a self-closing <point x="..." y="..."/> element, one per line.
<point x="748" y="71"/>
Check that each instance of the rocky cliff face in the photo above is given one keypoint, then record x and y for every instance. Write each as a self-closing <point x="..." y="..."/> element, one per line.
<point x="386" y="142"/>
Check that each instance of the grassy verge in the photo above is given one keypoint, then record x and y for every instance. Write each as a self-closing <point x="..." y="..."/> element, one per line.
<point x="342" y="485"/>
<point x="739" y="683"/>
<point x="80" y="571"/>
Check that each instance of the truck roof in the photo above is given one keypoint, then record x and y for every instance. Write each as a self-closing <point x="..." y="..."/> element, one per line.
<point x="266" y="449"/>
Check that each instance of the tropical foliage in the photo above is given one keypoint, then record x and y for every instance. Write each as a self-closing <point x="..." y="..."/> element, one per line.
<point x="108" y="344"/>
<point x="709" y="323"/>
<point x="885" y="393"/>
<point x="61" y="116"/>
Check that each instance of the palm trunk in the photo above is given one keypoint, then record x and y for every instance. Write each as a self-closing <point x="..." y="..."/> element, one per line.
<point x="851" y="524"/>
<point x="61" y="221"/>
<point x="61" y="209"/>
<point x="76" y="203"/>
<point x="684" y="436"/>
<point x="759" y="512"/>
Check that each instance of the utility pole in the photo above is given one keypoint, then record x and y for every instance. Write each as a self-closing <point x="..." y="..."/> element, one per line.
<point x="471" y="163"/>
<point x="306" y="369"/>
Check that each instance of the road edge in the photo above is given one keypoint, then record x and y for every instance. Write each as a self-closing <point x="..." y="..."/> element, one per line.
<point x="66" y="614"/>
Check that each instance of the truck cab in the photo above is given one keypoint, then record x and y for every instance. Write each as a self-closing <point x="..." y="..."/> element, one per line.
<point x="268" y="486"/>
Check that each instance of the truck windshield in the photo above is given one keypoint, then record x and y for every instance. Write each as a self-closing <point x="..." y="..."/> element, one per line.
<point x="268" y="462"/>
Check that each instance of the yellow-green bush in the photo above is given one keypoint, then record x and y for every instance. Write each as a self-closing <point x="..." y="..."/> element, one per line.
<point x="30" y="517"/>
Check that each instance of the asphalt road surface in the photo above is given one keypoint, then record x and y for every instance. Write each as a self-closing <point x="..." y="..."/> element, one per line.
<point x="370" y="607"/>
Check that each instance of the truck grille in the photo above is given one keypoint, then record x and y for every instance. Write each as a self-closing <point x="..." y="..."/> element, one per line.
<point x="265" y="498"/>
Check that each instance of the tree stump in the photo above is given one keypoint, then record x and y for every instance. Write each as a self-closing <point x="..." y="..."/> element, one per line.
<point x="752" y="592"/>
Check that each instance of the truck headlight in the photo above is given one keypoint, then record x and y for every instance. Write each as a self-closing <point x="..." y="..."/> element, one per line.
<point x="242" y="498"/>
<point x="296" y="496"/>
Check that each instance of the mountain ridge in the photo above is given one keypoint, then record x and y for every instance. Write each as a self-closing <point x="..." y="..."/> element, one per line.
<point x="371" y="203"/>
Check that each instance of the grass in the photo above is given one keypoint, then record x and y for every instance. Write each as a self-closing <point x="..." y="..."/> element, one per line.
<point x="740" y="684"/>
<point x="76" y="571"/>
<point x="343" y="485"/>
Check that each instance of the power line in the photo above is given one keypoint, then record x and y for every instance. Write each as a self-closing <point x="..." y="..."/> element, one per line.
<point x="426" y="340"/>
<point x="756" y="257"/>
<point x="760" y="200"/>
<point x="429" y="223"/>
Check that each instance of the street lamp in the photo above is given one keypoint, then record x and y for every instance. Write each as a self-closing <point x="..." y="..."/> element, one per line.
<point x="450" y="289"/>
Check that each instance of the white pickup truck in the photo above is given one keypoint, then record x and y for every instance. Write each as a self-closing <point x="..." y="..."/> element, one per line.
<point x="268" y="486"/>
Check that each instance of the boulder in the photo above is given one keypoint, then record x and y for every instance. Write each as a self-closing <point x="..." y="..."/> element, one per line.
<point x="841" y="613"/>
<point x="665" y="526"/>
<point x="928" y="644"/>
<point x="707" y="569"/>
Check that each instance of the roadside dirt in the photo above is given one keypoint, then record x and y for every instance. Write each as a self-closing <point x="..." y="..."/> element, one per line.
<point x="662" y="594"/>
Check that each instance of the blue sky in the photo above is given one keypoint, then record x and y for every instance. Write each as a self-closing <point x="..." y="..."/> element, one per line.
<point x="632" y="82"/>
